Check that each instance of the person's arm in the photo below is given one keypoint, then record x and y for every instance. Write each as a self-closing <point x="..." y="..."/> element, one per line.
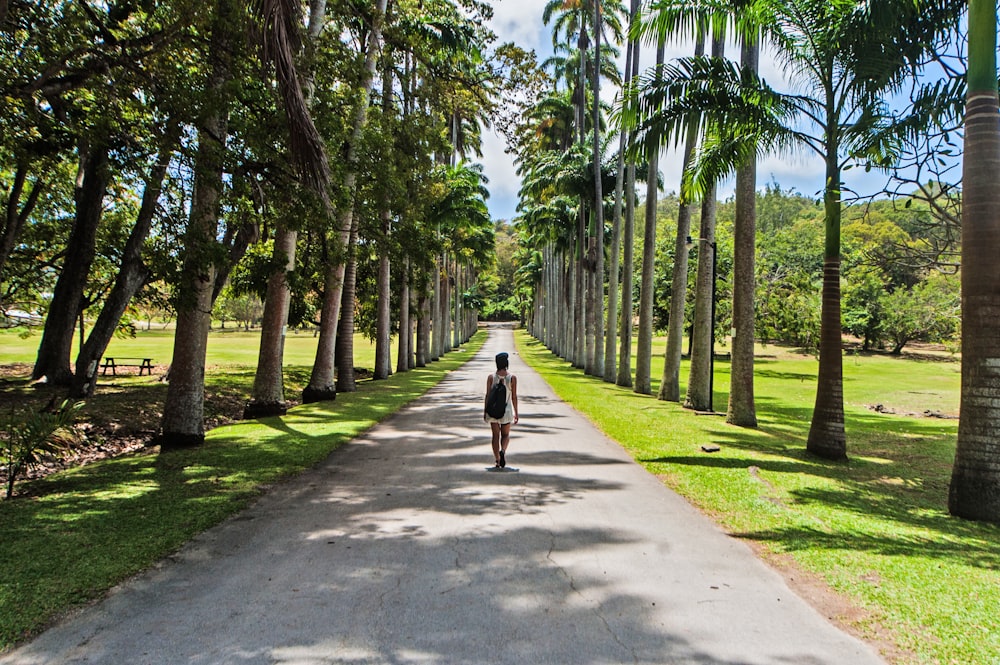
<point x="489" y="384"/>
<point x="513" y="395"/>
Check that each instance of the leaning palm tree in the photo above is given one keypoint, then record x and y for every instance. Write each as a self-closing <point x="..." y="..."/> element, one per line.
<point x="848" y="58"/>
<point x="321" y="382"/>
<point x="975" y="480"/>
<point x="278" y="23"/>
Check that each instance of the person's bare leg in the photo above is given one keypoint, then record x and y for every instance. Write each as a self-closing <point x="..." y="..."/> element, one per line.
<point x="496" y="441"/>
<point x="504" y="441"/>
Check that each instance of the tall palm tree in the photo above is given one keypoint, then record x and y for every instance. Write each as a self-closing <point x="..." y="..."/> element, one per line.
<point x="624" y="377"/>
<point x="670" y="384"/>
<point x="610" y="364"/>
<point x="742" y="409"/>
<point x="321" y="382"/>
<point x="700" y="376"/>
<point x="597" y="305"/>
<point x="182" y="424"/>
<point x="850" y="57"/>
<point x="588" y="19"/>
<point x="279" y="27"/>
<point x="975" y="480"/>
<point x="644" y="348"/>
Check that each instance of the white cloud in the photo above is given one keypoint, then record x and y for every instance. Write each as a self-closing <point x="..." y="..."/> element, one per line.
<point x="520" y="21"/>
<point x="503" y="180"/>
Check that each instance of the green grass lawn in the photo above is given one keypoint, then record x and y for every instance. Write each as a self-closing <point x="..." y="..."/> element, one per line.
<point x="875" y="528"/>
<point x="226" y="346"/>
<point x="76" y="533"/>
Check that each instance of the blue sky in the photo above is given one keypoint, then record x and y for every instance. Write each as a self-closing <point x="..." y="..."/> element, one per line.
<point x="520" y="21"/>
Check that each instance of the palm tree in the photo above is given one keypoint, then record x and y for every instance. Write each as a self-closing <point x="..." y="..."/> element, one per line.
<point x="850" y="57"/>
<point x="644" y="348"/>
<point x="670" y="384"/>
<point x="182" y="424"/>
<point x="742" y="409"/>
<point x="975" y="480"/>
<point x="700" y="379"/>
<point x="573" y="17"/>
<point x="280" y="22"/>
<point x="321" y="382"/>
<point x="624" y="376"/>
<point x="631" y="69"/>
<point x="596" y="310"/>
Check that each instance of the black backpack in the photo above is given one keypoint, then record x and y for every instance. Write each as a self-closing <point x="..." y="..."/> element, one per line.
<point x="496" y="403"/>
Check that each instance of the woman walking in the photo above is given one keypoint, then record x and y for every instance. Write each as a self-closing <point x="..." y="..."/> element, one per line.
<point x="501" y="425"/>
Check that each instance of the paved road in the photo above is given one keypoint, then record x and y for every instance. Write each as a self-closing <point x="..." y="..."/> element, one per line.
<point x="403" y="549"/>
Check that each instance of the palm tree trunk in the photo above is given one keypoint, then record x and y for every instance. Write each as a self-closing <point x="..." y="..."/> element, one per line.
<point x="321" y="385"/>
<point x="611" y="336"/>
<point x="446" y="289"/>
<point x="321" y="382"/>
<point x="628" y="276"/>
<point x="975" y="482"/>
<point x="610" y="361"/>
<point x="590" y="314"/>
<point x="826" y="432"/>
<point x="345" y="331"/>
<point x="383" y="356"/>
<point x="742" y="411"/>
<point x="435" y="342"/>
<point x="422" y="356"/>
<point x="577" y="352"/>
<point x="699" y="391"/>
<point x="456" y="336"/>
<point x="183" y="423"/>
<point x="598" y="299"/>
<point x="404" y="354"/>
<point x="670" y="385"/>
<point x="644" y="352"/>
<point x="268" y="387"/>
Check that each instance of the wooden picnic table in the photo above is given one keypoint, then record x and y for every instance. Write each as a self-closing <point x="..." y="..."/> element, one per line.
<point x="113" y="363"/>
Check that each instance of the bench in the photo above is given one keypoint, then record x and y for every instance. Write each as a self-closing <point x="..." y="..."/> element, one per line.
<point x="144" y="365"/>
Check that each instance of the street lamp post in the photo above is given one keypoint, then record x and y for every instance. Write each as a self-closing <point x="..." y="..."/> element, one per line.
<point x="711" y="347"/>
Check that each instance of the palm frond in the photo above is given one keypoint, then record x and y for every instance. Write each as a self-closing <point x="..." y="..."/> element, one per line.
<point x="703" y="92"/>
<point x="278" y="28"/>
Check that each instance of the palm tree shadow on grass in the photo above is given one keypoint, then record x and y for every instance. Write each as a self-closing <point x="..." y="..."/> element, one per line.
<point x="901" y="478"/>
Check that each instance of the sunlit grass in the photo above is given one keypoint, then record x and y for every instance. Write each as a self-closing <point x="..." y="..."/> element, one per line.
<point x="876" y="528"/>
<point x="79" y="532"/>
<point x="226" y="347"/>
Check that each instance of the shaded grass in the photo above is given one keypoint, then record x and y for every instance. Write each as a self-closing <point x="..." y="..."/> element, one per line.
<point x="77" y="533"/>
<point x="134" y="402"/>
<point x="876" y="528"/>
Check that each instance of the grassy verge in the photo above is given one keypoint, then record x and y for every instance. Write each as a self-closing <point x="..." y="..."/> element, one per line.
<point x="875" y="529"/>
<point x="77" y="533"/>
